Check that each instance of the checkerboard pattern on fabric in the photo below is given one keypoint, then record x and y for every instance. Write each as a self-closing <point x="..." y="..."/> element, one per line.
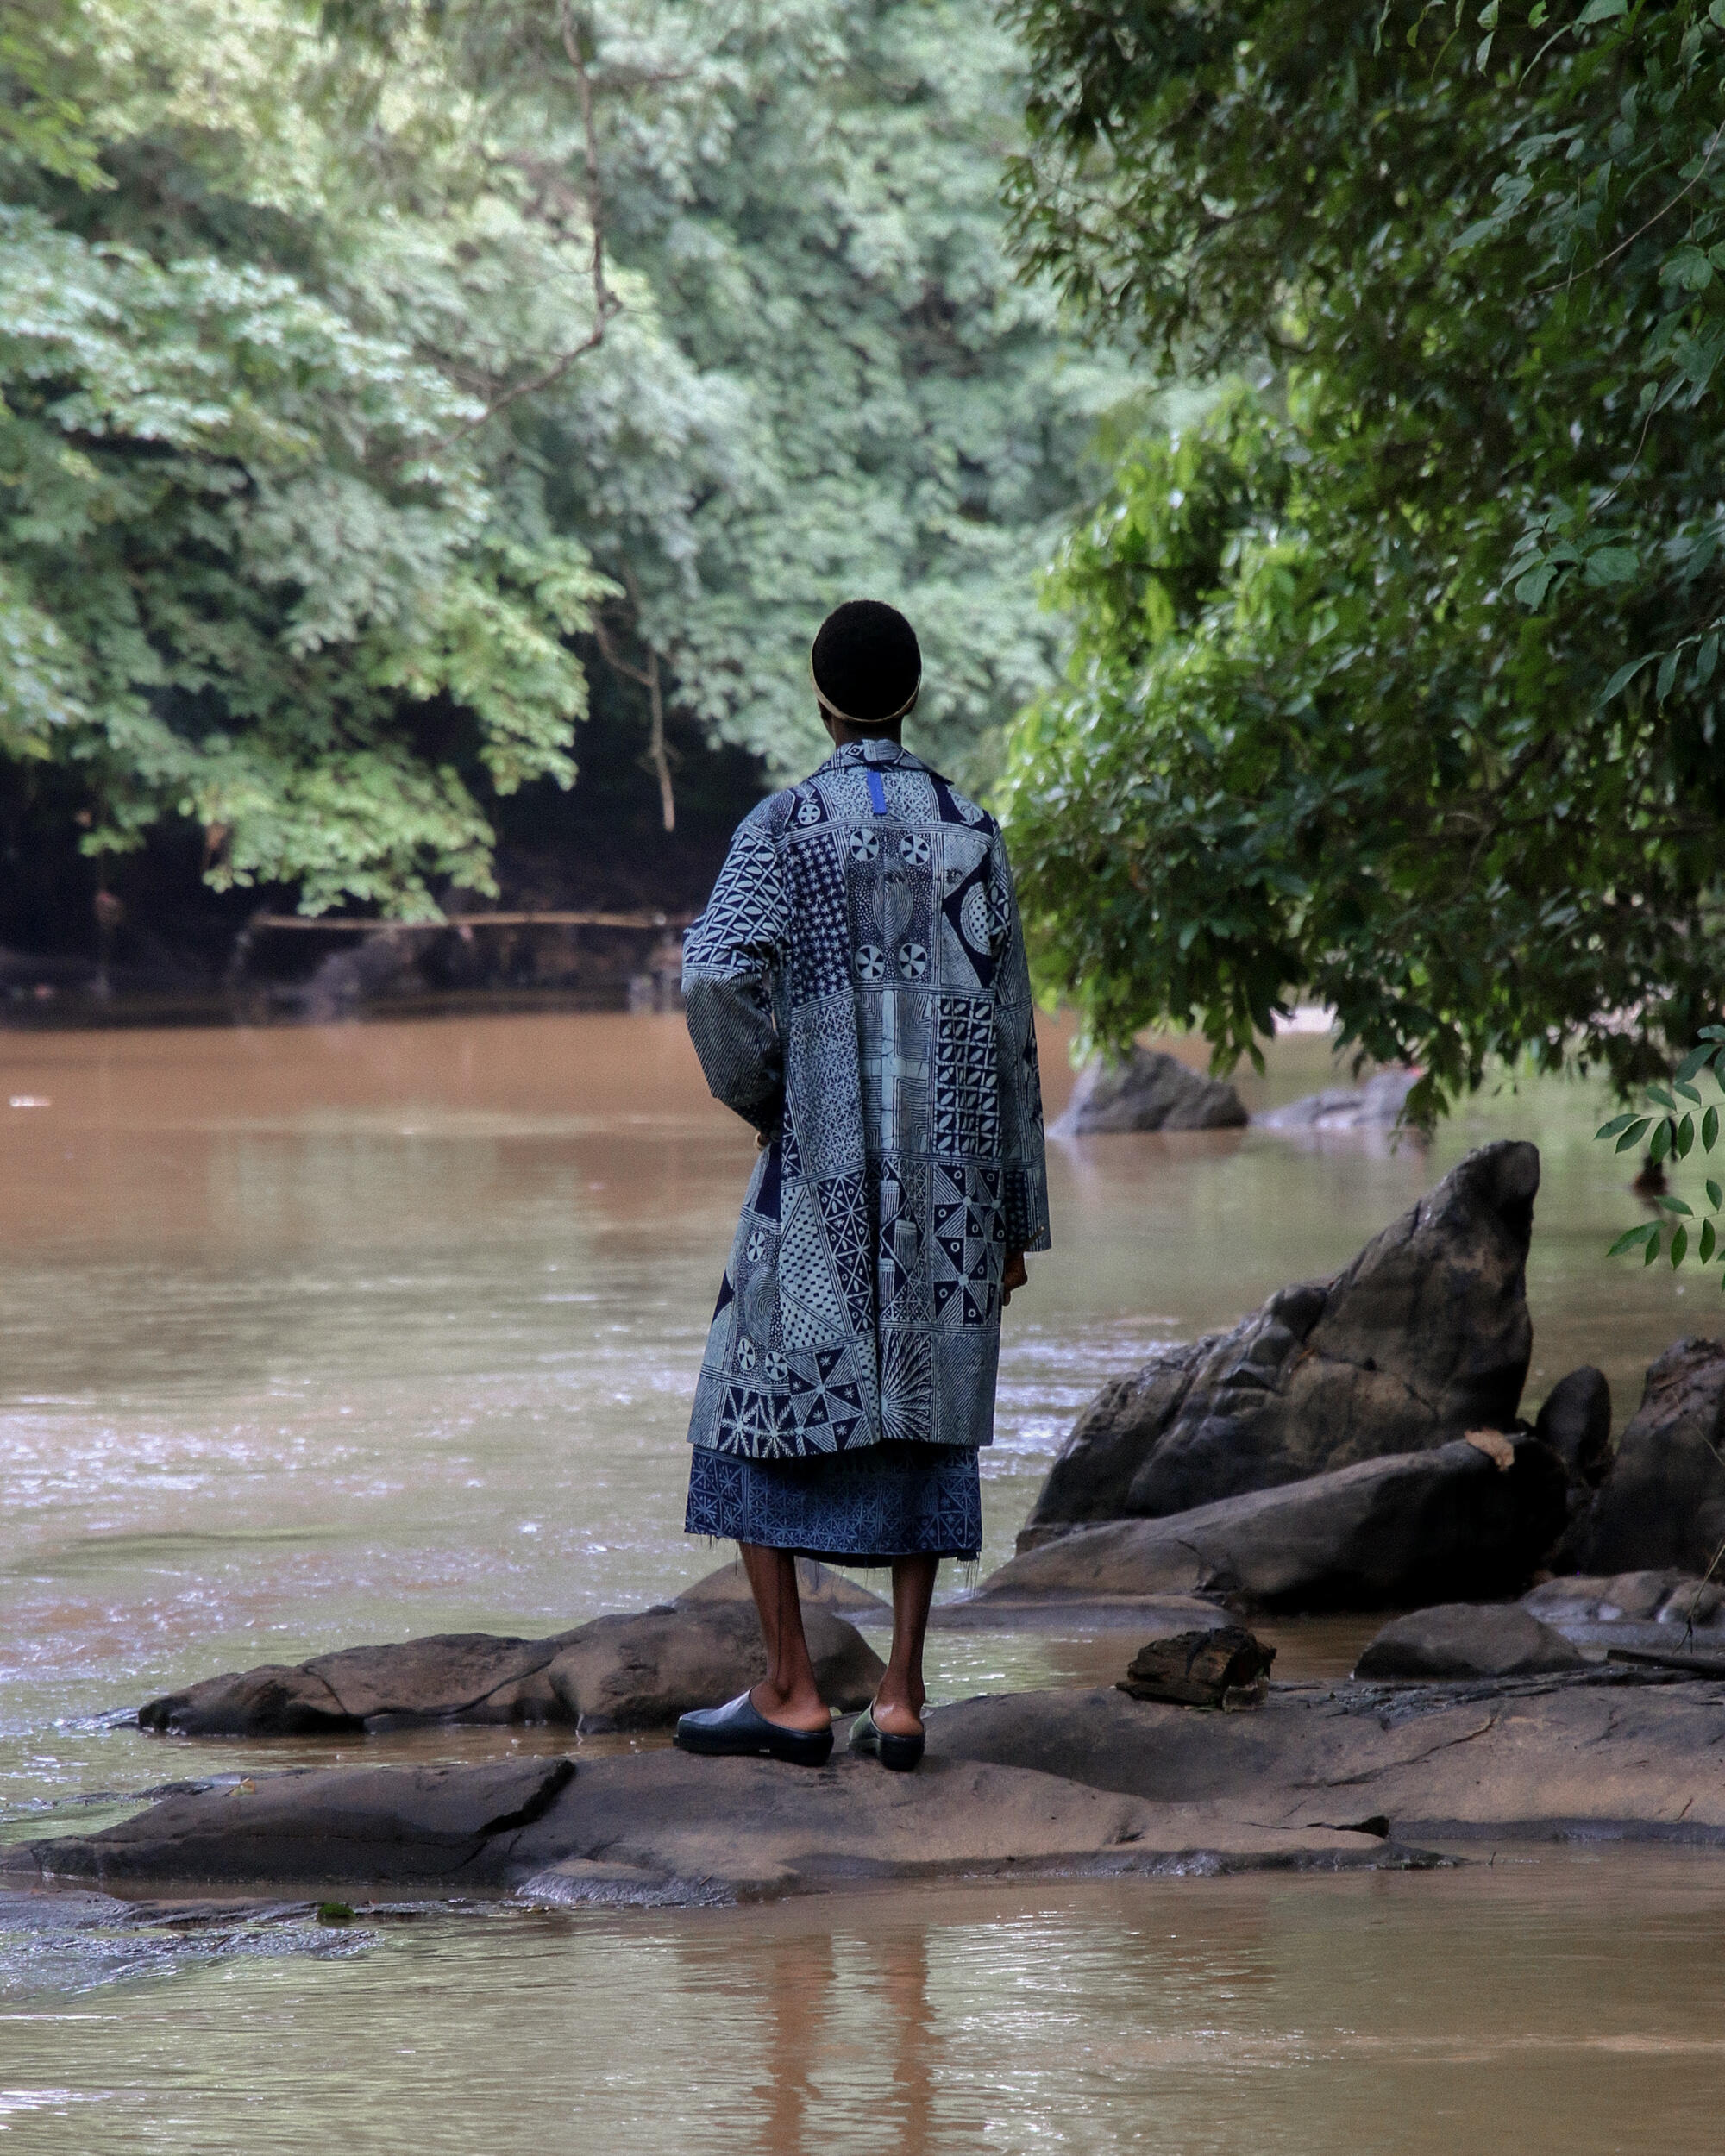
<point x="856" y="988"/>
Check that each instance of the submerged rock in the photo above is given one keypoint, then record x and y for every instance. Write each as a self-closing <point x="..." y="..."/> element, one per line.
<point x="1150" y="1091"/>
<point x="1424" y="1337"/>
<point x="1468" y="1639"/>
<point x="1413" y="1528"/>
<point x="1376" y="1105"/>
<point x="624" y="1672"/>
<point x="1662" y="1504"/>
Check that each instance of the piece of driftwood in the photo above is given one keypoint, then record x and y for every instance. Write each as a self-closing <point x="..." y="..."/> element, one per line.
<point x="1227" y="1666"/>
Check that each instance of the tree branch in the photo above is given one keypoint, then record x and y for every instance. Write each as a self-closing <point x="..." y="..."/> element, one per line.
<point x="604" y="300"/>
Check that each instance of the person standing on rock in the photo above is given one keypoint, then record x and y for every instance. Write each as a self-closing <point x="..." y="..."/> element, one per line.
<point x="857" y="989"/>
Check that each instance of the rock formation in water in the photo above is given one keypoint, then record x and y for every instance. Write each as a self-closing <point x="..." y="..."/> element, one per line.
<point x="1080" y="1783"/>
<point x="1468" y="1639"/>
<point x="1464" y="1519"/>
<point x="1662" y="1503"/>
<point x="625" y="1672"/>
<point x="1150" y="1091"/>
<point x="1598" y="1751"/>
<point x="1423" y="1338"/>
<point x="1375" y="1105"/>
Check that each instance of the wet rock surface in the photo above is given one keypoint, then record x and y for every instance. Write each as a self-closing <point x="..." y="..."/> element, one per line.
<point x="1601" y="1752"/>
<point x="1468" y="1639"/>
<point x="1152" y="1091"/>
<point x="1418" y="1526"/>
<point x="637" y="1671"/>
<point x="657" y="1826"/>
<point x="1424" y="1337"/>
<point x="1072" y="1782"/>
<point x="1662" y="1504"/>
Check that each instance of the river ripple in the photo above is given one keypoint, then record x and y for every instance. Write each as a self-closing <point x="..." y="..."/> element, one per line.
<point x="321" y="1335"/>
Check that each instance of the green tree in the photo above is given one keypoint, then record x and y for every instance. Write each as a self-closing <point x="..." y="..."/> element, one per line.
<point x="1395" y="675"/>
<point x="370" y="370"/>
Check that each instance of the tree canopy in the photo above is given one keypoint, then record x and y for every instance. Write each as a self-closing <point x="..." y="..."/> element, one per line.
<point x="1395" y="671"/>
<point x="370" y="372"/>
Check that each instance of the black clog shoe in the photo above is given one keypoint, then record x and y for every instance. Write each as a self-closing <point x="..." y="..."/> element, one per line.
<point x="740" y="1730"/>
<point x="899" y="1753"/>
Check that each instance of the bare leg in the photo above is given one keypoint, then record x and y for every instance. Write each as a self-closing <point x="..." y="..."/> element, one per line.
<point x="899" y="1702"/>
<point x="787" y="1694"/>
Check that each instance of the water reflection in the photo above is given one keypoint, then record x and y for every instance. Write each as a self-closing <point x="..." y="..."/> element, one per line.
<point x="1563" y="2001"/>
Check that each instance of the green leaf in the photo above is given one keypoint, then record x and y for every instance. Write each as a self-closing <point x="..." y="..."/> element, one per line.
<point x="1715" y="1196"/>
<point x="1636" y="1132"/>
<point x="1688" y="1092"/>
<point x="1652" y="1251"/>
<point x="1696" y="1059"/>
<point x="1624" y="675"/>
<point x="1667" y="674"/>
<point x="1709" y="1130"/>
<point x="1658" y="1093"/>
<point x="1679" y="1248"/>
<point x="1632" y="1238"/>
<point x="1618" y="1123"/>
<point x="1674" y="1205"/>
<point x="1705" y="1248"/>
<point x="1663" y="1135"/>
<point x="1602" y="11"/>
<point x="1613" y="565"/>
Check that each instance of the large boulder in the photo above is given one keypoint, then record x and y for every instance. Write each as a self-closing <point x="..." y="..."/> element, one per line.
<point x="1465" y="1518"/>
<point x="1423" y="1338"/>
<point x="624" y="1672"/>
<point x="1467" y="1640"/>
<point x="1150" y="1091"/>
<point x="1662" y="1505"/>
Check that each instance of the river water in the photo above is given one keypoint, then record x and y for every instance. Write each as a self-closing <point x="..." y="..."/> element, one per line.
<point x="315" y="1336"/>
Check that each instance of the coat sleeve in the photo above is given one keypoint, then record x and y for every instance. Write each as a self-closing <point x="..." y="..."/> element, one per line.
<point x="1025" y="1193"/>
<point x="729" y="959"/>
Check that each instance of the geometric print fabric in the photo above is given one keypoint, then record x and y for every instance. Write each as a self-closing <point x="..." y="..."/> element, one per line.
<point x="856" y="988"/>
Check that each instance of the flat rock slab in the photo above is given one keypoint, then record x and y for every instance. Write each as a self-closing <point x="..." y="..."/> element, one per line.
<point x="1533" y="1759"/>
<point x="1408" y="1528"/>
<point x="437" y="1829"/>
<point x="657" y="1827"/>
<point x="1468" y="1639"/>
<point x="637" y="1671"/>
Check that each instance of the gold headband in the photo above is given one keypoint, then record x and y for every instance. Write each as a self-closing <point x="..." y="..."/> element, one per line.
<point x="827" y="704"/>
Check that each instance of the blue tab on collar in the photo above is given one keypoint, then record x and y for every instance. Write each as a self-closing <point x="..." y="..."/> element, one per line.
<point x="877" y="793"/>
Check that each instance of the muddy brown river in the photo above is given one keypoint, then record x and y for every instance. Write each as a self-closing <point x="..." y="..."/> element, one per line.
<point x="324" y="1335"/>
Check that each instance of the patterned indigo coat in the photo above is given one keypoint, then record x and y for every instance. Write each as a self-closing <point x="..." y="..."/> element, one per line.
<point x="856" y="988"/>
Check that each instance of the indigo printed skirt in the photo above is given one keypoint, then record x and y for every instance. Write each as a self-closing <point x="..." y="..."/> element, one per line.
<point x="863" y="1508"/>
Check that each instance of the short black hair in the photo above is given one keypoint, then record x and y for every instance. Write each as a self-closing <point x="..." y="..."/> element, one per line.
<point x="867" y="661"/>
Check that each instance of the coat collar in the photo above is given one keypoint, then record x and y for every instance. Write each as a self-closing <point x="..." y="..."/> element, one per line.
<point x="879" y="756"/>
